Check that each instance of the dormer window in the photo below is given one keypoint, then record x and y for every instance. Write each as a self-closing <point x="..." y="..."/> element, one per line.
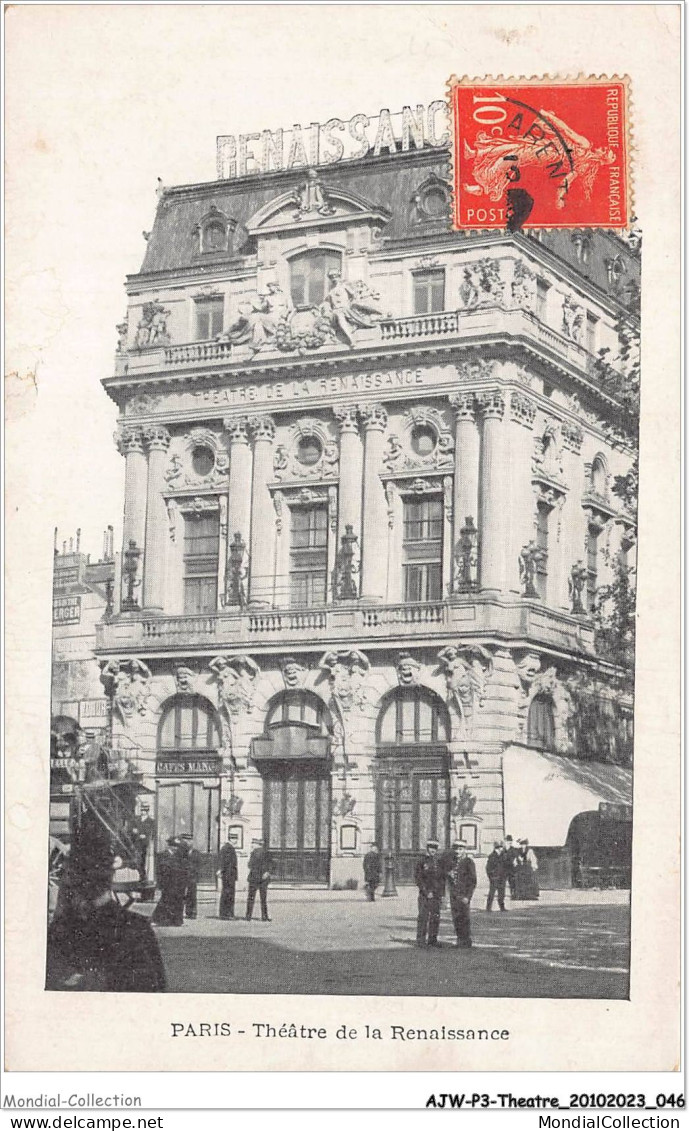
<point x="213" y="232"/>
<point x="309" y="282"/>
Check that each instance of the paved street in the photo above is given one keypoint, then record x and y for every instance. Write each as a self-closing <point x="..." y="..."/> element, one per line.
<point x="570" y="944"/>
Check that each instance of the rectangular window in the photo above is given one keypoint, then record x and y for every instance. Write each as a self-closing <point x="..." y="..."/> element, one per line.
<point x="422" y="550"/>
<point x="591" y="332"/>
<point x="308" y="555"/>
<point x="542" y="289"/>
<point x="429" y="292"/>
<point x="592" y="565"/>
<point x="542" y="523"/>
<point x="209" y="318"/>
<point x="201" y="551"/>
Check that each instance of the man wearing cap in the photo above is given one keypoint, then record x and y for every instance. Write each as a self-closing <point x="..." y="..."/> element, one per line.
<point x="511" y="854"/>
<point x="193" y="862"/>
<point x="172" y="881"/>
<point x="496" y="870"/>
<point x="429" y="876"/>
<point x="259" y="878"/>
<point x="461" y="882"/>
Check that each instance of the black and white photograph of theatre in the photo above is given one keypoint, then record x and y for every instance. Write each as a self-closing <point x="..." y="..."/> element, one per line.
<point x="348" y="707"/>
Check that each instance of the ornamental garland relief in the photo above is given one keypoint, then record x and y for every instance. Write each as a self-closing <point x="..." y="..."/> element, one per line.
<point x="424" y="442"/>
<point x="202" y="461"/>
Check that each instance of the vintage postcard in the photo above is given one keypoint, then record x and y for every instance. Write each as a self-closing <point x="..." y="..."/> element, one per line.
<point x="354" y="740"/>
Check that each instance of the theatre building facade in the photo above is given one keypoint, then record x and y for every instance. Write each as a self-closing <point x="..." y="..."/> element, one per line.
<point x="367" y="509"/>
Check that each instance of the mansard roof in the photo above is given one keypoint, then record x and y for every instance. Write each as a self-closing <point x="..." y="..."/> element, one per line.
<point x="387" y="184"/>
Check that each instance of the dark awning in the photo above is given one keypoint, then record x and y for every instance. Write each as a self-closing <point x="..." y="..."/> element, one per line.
<point x="543" y="792"/>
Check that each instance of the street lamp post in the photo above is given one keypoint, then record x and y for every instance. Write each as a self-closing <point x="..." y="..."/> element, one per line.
<point x="389" y="889"/>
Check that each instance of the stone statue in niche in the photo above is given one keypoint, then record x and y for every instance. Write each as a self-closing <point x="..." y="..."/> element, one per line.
<point x="577" y="582"/>
<point x="346" y="573"/>
<point x="572" y="319"/>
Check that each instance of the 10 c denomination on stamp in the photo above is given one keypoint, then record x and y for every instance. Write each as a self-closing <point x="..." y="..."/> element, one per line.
<point x="540" y="153"/>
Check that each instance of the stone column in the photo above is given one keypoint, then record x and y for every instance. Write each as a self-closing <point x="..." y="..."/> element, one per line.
<point x="493" y="521"/>
<point x="130" y="444"/>
<point x="465" y="502"/>
<point x="157" y="441"/>
<point x="375" y="525"/>
<point x="239" y="483"/>
<point x="522" y="503"/>
<point x="574" y="522"/>
<point x="262" y="431"/>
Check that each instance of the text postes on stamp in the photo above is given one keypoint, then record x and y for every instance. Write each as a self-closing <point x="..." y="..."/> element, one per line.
<point x="532" y="153"/>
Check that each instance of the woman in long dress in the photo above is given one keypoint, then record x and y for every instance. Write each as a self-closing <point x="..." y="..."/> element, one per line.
<point x="525" y="876"/>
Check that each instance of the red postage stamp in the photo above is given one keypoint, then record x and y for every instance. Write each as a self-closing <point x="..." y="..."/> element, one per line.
<point x="540" y="153"/>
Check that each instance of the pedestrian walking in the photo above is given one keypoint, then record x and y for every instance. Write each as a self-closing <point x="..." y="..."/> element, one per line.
<point x="227" y="874"/>
<point x="372" y="872"/>
<point x="461" y="882"/>
<point x="526" y="880"/>
<point x="94" y="943"/>
<point x="496" y="870"/>
<point x="193" y="860"/>
<point x="259" y="878"/>
<point x="511" y="854"/>
<point x="429" y="876"/>
<point x="172" y="881"/>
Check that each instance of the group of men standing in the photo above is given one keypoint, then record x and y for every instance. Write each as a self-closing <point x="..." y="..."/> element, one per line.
<point x="178" y="877"/>
<point x="513" y="866"/>
<point x="434" y="873"/>
<point x="258" y="880"/>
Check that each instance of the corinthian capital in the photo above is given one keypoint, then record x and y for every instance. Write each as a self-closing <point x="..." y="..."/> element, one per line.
<point x="374" y="416"/>
<point x="491" y="404"/>
<point x="523" y="409"/>
<point x="347" y="416"/>
<point x="261" y="428"/>
<point x="128" y="439"/>
<point x="464" y="405"/>
<point x="156" y="438"/>
<point x="236" y="428"/>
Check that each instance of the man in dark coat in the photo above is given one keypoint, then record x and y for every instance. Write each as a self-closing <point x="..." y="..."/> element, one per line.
<point x="259" y="878"/>
<point x="461" y="882"/>
<point x="511" y="854"/>
<point x="172" y="881"/>
<point x="227" y="874"/>
<point x="429" y="876"/>
<point x="193" y="876"/>
<point x="372" y="872"/>
<point x="143" y="832"/>
<point x="93" y="943"/>
<point x="496" y="870"/>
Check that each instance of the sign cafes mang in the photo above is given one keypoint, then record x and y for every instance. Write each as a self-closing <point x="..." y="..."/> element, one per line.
<point x="243" y="155"/>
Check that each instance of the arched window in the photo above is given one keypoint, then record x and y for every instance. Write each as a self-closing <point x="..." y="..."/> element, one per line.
<point x="301" y="707"/>
<point x="309" y="277"/>
<point x="214" y="236"/>
<point x="189" y="722"/>
<point x="412" y="715"/>
<point x="599" y="477"/>
<point x="541" y="723"/>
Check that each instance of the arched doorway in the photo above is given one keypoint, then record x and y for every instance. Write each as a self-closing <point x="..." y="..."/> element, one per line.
<point x="412" y="780"/>
<point x="188" y="778"/>
<point x="540" y="725"/>
<point x="293" y="758"/>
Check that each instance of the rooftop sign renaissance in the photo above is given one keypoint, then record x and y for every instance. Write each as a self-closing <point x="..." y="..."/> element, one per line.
<point x="243" y="155"/>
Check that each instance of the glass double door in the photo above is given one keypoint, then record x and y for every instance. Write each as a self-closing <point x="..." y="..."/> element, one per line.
<point x="296" y="822"/>
<point x="191" y="808"/>
<point x="412" y="807"/>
